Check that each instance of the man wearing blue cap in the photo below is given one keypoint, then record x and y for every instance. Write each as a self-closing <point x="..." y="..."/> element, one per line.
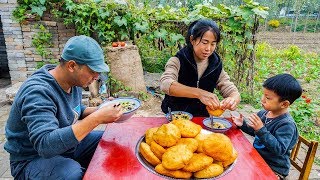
<point x="49" y="131"/>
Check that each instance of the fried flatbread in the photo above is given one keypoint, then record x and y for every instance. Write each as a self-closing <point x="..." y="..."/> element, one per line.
<point x="212" y="170"/>
<point x="200" y="138"/>
<point x="190" y="143"/>
<point x="167" y="135"/>
<point x="149" y="134"/>
<point x="176" y="157"/>
<point x="157" y="149"/>
<point x="146" y="152"/>
<point x="232" y="159"/>
<point x="187" y="128"/>
<point x="198" y="162"/>
<point x="218" y="146"/>
<point x="172" y="173"/>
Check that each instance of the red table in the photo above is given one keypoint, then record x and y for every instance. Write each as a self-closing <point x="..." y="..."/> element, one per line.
<point x="115" y="157"/>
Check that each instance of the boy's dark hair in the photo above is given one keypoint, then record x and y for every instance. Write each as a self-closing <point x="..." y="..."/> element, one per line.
<point x="199" y="27"/>
<point x="285" y="86"/>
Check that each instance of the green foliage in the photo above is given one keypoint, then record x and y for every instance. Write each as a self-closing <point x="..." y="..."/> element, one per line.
<point x="42" y="40"/>
<point x="116" y="86"/>
<point x="274" y="23"/>
<point x="303" y="66"/>
<point x="303" y="110"/>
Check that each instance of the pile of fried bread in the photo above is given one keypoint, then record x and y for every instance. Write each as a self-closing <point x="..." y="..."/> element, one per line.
<point x="179" y="150"/>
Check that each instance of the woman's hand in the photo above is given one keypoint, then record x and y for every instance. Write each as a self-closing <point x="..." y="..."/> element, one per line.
<point x="209" y="99"/>
<point x="229" y="103"/>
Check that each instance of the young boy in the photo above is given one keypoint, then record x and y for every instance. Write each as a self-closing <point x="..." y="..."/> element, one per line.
<point x="273" y="127"/>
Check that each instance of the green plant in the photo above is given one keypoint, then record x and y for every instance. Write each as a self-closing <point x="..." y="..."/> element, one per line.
<point x="274" y="23"/>
<point x="303" y="110"/>
<point x="116" y="86"/>
<point x="41" y="41"/>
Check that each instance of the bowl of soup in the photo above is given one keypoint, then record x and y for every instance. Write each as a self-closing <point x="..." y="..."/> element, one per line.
<point x="128" y="106"/>
<point x="179" y="115"/>
<point x="218" y="125"/>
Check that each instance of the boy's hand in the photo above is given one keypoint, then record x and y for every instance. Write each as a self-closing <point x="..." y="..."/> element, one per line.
<point x="237" y="120"/>
<point x="255" y="122"/>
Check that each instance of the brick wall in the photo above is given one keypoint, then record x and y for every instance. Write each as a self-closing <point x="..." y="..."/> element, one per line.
<point x="21" y="56"/>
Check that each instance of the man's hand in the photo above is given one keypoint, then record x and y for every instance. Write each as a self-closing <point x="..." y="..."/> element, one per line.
<point x="109" y="113"/>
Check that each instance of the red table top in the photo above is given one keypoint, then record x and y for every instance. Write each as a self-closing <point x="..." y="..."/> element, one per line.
<point x="115" y="157"/>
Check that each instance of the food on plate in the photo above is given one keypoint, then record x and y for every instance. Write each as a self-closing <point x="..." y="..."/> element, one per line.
<point x="180" y="116"/>
<point x="149" y="135"/>
<point x="146" y="152"/>
<point x="127" y="106"/>
<point x="211" y="171"/>
<point x="188" y="129"/>
<point x="232" y="159"/>
<point x="176" y="157"/>
<point x="167" y="135"/>
<point x="218" y="146"/>
<point x="191" y="143"/>
<point x="157" y="149"/>
<point x="217" y="125"/>
<point x="172" y="173"/>
<point x="215" y="112"/>
<point x="206" y="155"/>
<point x="198" y="162"/>
<point x="200" y="138"/>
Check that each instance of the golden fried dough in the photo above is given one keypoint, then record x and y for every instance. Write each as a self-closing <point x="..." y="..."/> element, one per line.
<point x="149" y="134"/>
<point x="211" y="171"/>
<point x="198" y="162"/>
<point x="231" y="159"/>
<point x="190" y="143"/>
<point x="200" y="138"/>
<point x="157" y="149"/>
<point x="148" y="154"/>
<point x="176" y="157"/>
<point x="218" y="146"/>
<point x="187" y="128"/>
<point x="214" y="112"/>
<point x="172" y="173"/>
<point x="167" y="135"/>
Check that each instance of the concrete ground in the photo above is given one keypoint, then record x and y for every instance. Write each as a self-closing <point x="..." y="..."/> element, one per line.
<point x="4" y="156"/>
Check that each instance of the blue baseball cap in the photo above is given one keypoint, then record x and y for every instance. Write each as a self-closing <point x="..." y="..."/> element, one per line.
<point x="85" y="50"/>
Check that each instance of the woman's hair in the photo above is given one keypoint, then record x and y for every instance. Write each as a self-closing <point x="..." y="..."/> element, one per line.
<point x="198" y="28"/>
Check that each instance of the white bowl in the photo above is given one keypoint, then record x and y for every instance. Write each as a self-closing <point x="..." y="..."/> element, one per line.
<point x="184" y="115"/>
<point x="126" y="115"/>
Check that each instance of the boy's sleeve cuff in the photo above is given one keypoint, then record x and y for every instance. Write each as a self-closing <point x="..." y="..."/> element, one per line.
<point x="261" y="131"/>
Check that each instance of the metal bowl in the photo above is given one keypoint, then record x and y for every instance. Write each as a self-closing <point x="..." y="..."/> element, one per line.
<point x="150" y="168"/>
<point x="126" y="115"/>
<point x="179" y="115"/>
<point x="207" y="123"/>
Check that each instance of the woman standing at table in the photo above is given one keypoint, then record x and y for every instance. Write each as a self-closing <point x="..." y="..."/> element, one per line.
<point x="191" y="76"/>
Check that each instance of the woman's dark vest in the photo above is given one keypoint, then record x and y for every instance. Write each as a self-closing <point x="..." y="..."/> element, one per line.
<point x="188" y="75"/>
